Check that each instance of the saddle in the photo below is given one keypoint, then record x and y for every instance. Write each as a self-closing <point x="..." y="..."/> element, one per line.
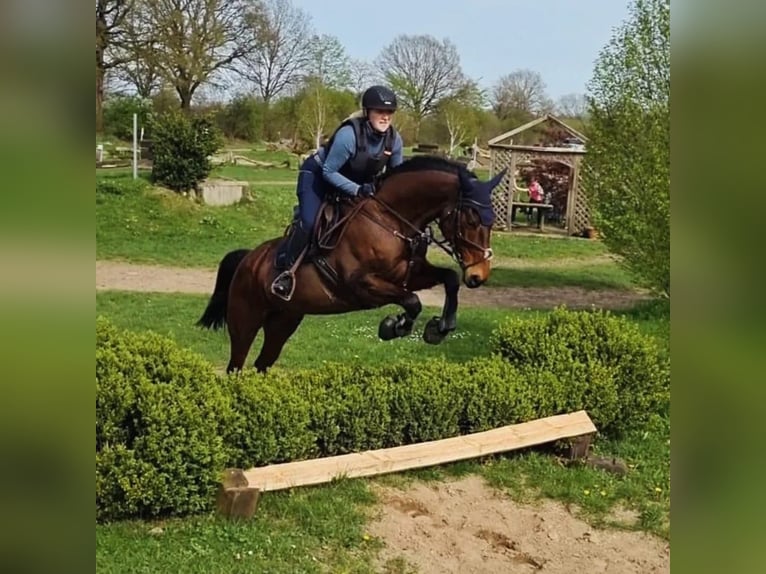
<point x="328" y="230"/>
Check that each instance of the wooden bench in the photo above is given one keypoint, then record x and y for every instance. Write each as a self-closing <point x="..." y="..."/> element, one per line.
<point x="542" y="209"/>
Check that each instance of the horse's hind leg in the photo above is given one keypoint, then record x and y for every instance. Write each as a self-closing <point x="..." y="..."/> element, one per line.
<point x="244" y="321"/>
<point x="277" y="329"/>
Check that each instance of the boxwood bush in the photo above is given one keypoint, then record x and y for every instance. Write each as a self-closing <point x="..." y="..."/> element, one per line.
<point x="167" y="425"/>
<point x="603" y="360"/>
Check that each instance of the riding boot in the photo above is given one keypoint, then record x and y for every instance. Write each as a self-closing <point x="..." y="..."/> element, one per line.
<point x="284" y="285"/>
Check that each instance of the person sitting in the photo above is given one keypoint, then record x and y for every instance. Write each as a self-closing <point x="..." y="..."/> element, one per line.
<point x="361" y="148"/>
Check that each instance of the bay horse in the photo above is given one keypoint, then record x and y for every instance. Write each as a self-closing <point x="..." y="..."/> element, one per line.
<point x="379" y="259"/>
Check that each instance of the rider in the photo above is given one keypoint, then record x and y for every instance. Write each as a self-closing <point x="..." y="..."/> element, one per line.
<point x="360" y="149"/>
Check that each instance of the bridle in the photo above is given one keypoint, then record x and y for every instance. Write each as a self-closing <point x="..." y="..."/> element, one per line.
<point x="450" y="245"/>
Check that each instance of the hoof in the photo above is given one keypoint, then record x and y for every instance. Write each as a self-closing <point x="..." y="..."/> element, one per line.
<point x="392" y="327"/>
<point x="432" y="334"/>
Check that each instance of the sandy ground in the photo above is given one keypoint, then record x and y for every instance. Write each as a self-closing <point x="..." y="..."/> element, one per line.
<point x="131" y="277"/>
<point x="465" y="527"/>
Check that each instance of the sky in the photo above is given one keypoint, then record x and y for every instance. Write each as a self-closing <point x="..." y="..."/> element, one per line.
<point x="560" y="39"/>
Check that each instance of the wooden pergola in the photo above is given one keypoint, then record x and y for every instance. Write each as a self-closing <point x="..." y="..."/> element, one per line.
<point x="505" y="154"/>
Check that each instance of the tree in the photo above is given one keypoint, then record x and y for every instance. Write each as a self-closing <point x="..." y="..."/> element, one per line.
<point x="110" y="20"/>
<point x="572" y="106"/>
<point x="627" y="168"/>
<point x="362" y="76"/>
<point x="328" y="62"/>
<point x="520" y="91"/>
<point x="322" y="107"/>
<point x="282" y="50"/>
<point x="461" y="114"/>
<point x="422" y="71"/>
<point x="195" y="41"/>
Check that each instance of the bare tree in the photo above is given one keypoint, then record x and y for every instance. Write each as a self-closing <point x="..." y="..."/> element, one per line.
<point x="195" y="41"/>
<point x="520" y="91"/>
<point x="363" y="75"/>
<point x="460" y="113"/>
<point x="139" y="65"/>
<point x="572" y="106"/>
<point x="421" y="70"/>
<point x="110" y="21"/>
<point x="282" y="48"/>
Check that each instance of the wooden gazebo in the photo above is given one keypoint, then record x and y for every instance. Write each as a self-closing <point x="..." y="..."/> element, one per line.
<point x="504" y="153"/>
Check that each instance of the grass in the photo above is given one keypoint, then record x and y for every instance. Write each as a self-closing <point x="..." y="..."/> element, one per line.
<point x="305" y="530"/>
<point x="161" y="227"/>
<point x="319" y="338"/>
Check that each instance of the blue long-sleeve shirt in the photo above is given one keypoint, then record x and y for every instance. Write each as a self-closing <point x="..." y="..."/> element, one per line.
<point x="343" y="148"/>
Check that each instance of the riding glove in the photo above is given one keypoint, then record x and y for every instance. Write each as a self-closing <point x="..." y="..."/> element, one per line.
<point x="366" y="190"/>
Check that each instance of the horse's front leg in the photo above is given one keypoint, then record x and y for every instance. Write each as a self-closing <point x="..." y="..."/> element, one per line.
<point x="373" y="291"/>
<point x="428" y="276"/>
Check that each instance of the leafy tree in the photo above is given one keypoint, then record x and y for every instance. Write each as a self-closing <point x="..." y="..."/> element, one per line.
<point x="627" y="168"/>
<point x="460" y="114"/>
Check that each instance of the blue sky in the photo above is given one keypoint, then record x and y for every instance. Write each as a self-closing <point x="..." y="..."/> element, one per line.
<point x="560" y="39"/>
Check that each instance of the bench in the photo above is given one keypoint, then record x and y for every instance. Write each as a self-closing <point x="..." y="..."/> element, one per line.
<point x="542" y="209"/>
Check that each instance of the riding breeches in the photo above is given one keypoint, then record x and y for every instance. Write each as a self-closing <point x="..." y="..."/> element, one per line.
<point x="310" y="190"/>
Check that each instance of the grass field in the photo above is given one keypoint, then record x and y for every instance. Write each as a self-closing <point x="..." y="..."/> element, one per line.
<point x="322" y="529"/>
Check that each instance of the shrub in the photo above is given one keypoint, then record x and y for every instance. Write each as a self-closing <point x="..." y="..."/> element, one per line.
<point x="118" y="115"/>
<point x="181" y="146"/>
<point x="159" y="411"/>
<point x="597" y="359"/>
<point x="166" y="424"/>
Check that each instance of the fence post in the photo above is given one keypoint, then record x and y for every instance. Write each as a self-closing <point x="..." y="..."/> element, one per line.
<point x="135" y="146"/>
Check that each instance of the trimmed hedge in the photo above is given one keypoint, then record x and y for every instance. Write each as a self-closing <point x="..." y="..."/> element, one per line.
<point x="167" y="425"/>
<point x="602" y="359"/>
<point x="159" y="414"/>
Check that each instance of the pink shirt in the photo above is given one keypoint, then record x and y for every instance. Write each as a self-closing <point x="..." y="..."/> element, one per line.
<point x="535" y="191"/>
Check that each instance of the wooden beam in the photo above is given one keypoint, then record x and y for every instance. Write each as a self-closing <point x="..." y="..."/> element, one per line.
<point x="396" y="459"/>
<point x="517" y="130"/>
<point x="568" y="128"/>
<point x="541" y="149"/>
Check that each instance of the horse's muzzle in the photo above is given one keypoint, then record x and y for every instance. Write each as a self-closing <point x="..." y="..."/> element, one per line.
<point x="472" y="281"/>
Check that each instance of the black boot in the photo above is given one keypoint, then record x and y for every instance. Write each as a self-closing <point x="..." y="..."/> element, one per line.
<point x="284" y="285"/>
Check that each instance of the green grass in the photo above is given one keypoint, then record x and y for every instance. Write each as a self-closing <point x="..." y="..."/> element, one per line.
<point x="305" y="530"/>
<point x="321" y="338"/>
<point x="256" y="175"/>
<point x="592" y="277"/>
<point x="317" y="339"/>
<point x="165" y="228"/>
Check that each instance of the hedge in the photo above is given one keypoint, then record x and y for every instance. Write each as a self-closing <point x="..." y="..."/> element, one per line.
<point x="167" y="424"/>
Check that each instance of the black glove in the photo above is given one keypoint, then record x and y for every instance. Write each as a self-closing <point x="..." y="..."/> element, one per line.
<point x="366" y="190"/>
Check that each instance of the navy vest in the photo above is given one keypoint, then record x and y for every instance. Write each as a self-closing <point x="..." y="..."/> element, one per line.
<point x="362" y="167"/>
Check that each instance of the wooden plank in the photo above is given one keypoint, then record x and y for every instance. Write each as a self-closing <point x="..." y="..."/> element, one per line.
<point x="542" y="149"/>
<point x="369" y="463"/>
<point x="517" y="130"/>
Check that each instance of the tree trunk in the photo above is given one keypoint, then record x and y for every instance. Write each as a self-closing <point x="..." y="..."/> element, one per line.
<point x="185" y="94"/>
<point x="99" y="100"/>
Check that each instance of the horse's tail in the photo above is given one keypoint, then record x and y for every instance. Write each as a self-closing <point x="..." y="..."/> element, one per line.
<point x="214" y="316"/>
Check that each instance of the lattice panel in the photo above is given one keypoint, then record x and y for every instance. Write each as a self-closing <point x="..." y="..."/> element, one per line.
<point x="501" y="196"/>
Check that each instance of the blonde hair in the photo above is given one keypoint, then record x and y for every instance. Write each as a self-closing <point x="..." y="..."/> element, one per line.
<point x="355" y="115"/>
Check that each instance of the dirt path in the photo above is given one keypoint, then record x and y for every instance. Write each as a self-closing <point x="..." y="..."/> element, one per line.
<point x="112" y="275"/>
<point x="466" y="527"/>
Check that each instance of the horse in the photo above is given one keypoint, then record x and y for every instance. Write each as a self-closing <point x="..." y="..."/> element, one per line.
<point x="379" y="258"/>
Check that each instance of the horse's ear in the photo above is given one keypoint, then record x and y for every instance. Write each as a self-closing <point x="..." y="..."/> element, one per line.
<point x="465" y="179"/>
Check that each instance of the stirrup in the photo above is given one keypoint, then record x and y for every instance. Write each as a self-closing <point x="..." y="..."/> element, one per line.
<point x="284" y="275"/>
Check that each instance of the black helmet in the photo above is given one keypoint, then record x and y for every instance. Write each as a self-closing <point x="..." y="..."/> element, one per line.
<point x="379" y="98"/>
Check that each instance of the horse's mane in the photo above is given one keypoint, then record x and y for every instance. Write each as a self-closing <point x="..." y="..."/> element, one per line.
<point x="428" y="163"/>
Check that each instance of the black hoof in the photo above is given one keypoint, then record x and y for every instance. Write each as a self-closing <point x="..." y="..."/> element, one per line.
<point x="392" y="327"/>
<point x="432" y="333"/>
